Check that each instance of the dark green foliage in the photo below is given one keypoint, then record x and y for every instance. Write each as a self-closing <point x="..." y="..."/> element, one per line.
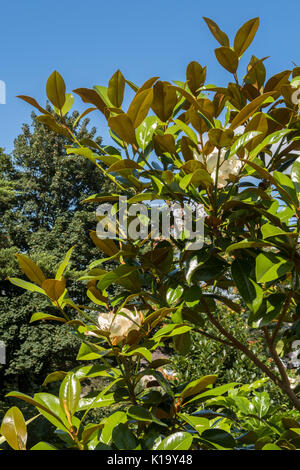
<point x="42" y="216"/>
<point x="211" y="357"/>
<point x="8" y="194"/>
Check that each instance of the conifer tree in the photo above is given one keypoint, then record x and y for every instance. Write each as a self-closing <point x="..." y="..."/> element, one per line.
<point x="42" y="216"/>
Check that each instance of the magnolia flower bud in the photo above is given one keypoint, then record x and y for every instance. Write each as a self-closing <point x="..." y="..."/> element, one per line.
<point x="119" y="325"/>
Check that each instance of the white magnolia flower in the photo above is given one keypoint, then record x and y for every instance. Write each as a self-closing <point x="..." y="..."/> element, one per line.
<point x="119" y="325"/>
<point x="227" y="168"/>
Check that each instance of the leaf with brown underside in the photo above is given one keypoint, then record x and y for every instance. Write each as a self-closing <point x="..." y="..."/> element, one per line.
<point x="249" y="110"/>
<point x="245" y="36"/>
<point x="122" y="125"/>
<point x="220" y="36"/>
<point x="227" y="58"/>
<point x="54" y="288"/>
<point x="140" y="106"/>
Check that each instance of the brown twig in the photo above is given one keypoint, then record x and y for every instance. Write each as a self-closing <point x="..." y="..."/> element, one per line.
<point x="238" y="345"/>
<point x="285" y="382"/>
<point x="281" y="318"/>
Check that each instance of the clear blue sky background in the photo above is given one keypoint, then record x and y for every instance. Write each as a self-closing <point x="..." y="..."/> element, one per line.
<point x="88" y="40"/>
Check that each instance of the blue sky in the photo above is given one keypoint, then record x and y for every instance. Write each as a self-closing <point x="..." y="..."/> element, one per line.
<point x="87" y="41"/>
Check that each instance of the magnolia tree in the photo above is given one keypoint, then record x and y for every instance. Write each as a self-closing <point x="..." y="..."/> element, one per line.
<point x="232" y="151"/>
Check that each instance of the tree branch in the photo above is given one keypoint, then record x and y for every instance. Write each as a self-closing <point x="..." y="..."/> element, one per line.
<point x="215" y="338"/>
<point x="281" y="318"/>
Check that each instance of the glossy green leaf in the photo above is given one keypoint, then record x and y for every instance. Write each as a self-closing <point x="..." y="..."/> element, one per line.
<point x="270" y="309"/>
<point x="43" y="446"/>
<point x="116" y="89"/>
<point x="270" y="267"/>
<point x="139" y="351"/>
<point x="164" y="143"/>
<point x="100" y="401"/>
<point x="197" y="422"/>
<point x="198" y="177"/>
<point x="145" y="131"/>
<point x="143" y="197"/>
<point x="171" y="330"/>
<point x="67" y="106"/>
<point x="277" y="81"/>
<point x="140" y="413"/>
<point x="107" y="245"/>
<point x="220" y="137"/>
<point x="271" y="447"/>
<point x="246" y="244"/>
<point x="244" y="405"/>
<point x="125" y="275"/>
<point x="213" y="392"/>
<point x="242" y="141"/>
<point x="174" y="294"/>
<point x="47" y="404"/>
<point x="183" y="343"/>
<point x="90" y="352"/>
<point x="64" y="264"/>
<point x="56" y="90"/>
<point x="219" y="437"/>
<point x="295" y="173"/>
<point x="14" y="429"/>
<point x="188" y="131"/>
<point x="83" y="152"/>
<point x="271" y="139"/>
<point x="177" y="441"/>
<point x="69" y="393"/>
<point x="123" y="438"/>
<point x="56" y="376"/>
<point x="110" y="423"/>
<point x="26" y="285"/>
<point x="261" y="403"/>
<point x="102" y="91"/>
<point x="198" y="385"/>
<point x="287" y="184"/>
<point x="94" y="295"/>
<point x="45" y="316"/>
<point x="251" y="292"/>
<point x="269" y="230"/>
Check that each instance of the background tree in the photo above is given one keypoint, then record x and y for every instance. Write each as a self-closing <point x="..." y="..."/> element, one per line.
<point x="7" y="201"/>
<point x="42" y="217"/>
